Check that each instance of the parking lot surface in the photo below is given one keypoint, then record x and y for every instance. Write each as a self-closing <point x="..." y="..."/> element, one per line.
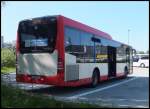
<point x="132" y="91"/>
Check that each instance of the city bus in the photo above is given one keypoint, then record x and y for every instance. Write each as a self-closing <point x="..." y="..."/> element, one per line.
<point x="56" y="50"/>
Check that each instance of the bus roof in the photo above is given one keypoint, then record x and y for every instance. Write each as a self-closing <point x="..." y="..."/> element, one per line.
<point x="76" y="24"/>
<point x="84" y="27"/>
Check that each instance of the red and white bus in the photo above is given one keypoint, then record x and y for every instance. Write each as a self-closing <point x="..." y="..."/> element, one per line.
<point x="56" y="50"/>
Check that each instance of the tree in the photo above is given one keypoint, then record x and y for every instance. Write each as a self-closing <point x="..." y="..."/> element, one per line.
<point x="141" y="52"/>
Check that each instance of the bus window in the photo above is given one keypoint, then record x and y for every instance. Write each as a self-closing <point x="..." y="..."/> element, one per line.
<point x="37" y="35"/>
<point x="135" y="59"/>
<point x="145" y="57"/>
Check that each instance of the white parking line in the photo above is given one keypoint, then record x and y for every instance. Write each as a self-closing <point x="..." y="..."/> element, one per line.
<point x="134" y="100"/>
<point x="97" y="90"/>
<point x="137" y="106"/>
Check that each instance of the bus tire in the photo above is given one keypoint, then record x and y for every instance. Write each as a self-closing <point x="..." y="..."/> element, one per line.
<point x="95" y="78"/>
<point x="126" y="71"/>
<point x="142" y="65"/>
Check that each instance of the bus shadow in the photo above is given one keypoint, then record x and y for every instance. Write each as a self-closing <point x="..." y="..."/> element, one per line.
<point x="58" y="91"/>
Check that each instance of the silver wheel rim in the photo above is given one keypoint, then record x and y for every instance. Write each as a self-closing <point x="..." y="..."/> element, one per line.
<point x="142" y="65"/>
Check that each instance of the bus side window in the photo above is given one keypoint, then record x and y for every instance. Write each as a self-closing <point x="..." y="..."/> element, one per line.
<point x="146" y="57"/>
<point x="135" y="59"/>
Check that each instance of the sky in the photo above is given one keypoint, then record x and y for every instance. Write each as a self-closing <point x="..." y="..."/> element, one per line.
<point x="114" y="18"/>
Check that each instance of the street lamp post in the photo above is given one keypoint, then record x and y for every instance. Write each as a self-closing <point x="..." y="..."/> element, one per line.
<point x="128" y="35"/>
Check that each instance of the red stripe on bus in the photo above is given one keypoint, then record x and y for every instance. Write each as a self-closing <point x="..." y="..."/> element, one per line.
<point x="120" y="74"/>
<point x="103" y="78"/>
<point x="58" y="80"/>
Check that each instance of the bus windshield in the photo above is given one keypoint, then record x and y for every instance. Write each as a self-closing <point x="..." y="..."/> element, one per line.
<point x="38" y="35"/>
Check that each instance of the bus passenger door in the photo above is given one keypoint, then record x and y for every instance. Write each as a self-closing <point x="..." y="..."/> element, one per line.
<point x="111" y="61"/>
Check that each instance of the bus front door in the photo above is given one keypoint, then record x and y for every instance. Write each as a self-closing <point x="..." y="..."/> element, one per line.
<point x="111" y="61"/>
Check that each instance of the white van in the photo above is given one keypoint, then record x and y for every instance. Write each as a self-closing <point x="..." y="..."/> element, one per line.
<point x="141" y="60"/>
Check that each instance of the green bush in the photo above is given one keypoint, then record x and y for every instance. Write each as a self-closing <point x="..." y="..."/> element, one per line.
<point x="8" y="58"/>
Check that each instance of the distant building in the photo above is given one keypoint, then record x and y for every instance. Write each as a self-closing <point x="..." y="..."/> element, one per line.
<point x="7" y="45"/>
<point x="11" y="44"/>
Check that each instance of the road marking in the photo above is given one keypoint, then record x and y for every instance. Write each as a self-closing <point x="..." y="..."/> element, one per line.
<point x="134" y="100"/>
<point x="116" y="99"/>
<point x="131" y="106"/>
<point x="93" y="91"/>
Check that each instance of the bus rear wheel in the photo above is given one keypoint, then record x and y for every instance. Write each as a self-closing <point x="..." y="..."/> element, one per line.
<point x="95" y="79"/>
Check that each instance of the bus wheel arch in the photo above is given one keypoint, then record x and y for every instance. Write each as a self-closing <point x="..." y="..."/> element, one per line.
<point x="142" y="65"/>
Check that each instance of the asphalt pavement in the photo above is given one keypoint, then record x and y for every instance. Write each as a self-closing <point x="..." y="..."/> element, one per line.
<point x="132" y="91"/>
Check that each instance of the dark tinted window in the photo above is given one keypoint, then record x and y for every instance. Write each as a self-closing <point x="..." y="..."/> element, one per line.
<point x="135" y="59"/>
<point x="72" y="40"/>
<point x="121" y="54"/>
<point x="81" y="44"/>
<point x="145" y="57"/>
<point x="86" y="42"/>
<point x="38" y="35"/>
<point x="77" y="43"/>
